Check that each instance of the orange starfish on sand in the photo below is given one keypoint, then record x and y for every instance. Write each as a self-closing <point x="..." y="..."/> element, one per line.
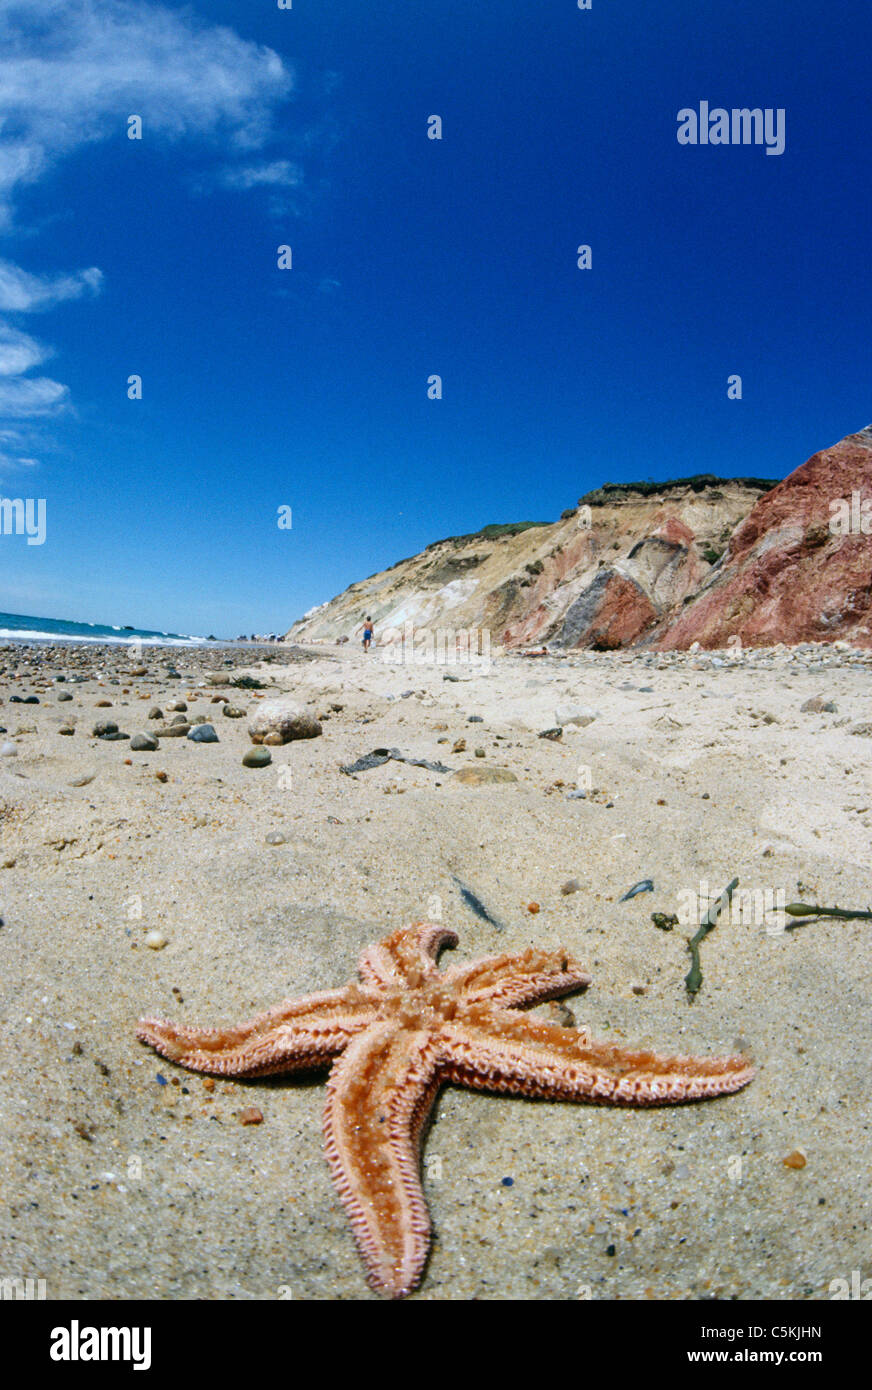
<point x="402" y="1032"/>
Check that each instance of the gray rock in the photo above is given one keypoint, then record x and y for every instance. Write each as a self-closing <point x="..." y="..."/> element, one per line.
<point x="818" y="704"/>
<point x="155" y="712"/>
<point x="553" y="734"/>
<point x="104" y="727"/>
<point x="233" y="712"/>
<point x="172" y="730"/>
<point x="257" y="757"/>
<point x="203" y="733"/>
<point x="64" y="695"/>
<point x="143" y="743"/>
<point x="8" y="750"/>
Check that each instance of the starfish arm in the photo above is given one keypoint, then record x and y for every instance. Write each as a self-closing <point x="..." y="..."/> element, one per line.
<point x="510" y="981"/>
<point x="406" y="958"/>
<point x="379" y="1094"/>
<point x="514" y="1053"/>
<point x="296" y="1035"/>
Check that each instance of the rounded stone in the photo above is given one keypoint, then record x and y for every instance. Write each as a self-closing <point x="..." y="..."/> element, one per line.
<point x="203" y="733"/>
<point x="104" y="727"/>
<point x="257" y="757"/>
<point x="143" y="743"/>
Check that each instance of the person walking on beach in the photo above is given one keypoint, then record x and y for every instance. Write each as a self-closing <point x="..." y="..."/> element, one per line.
<point x="367" y="633"/>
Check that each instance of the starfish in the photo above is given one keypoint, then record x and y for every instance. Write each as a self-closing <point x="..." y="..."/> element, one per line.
<point x="397" y="1036"/>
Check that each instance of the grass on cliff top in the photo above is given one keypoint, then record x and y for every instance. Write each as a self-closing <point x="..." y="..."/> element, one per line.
<point x="697" y="483"/>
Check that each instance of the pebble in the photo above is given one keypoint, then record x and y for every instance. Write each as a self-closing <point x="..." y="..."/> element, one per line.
<point x="257" y="757"/>
<point x="203" y="733"/>
<point x="66" y="731"/>
<point x="233" y="712"/>
<point x="155" y="940"/>
<point x="274" y="740"/>
<point x="139" y="671"/>
<point x="104" y="727"/>
<point x="819" y="704"/>
<point x="83" y="779"/>
<point x="794" y="1160"/>
<point x="144" y="743"/>
<point x="459" y="746"/>
<point x="275" y="837"/>
<point x="172" y="730"/>
<point x="8" y="750"/>
<point x="178" y="705"/>
<point x="571" y="885"/>
<point x="251" y="1116"/>
<point x="64" y="695"/>
<point x="479" y="752"/>
<point x="155" y="712"/>
<point x="554" y="734"/>
<point x="161" y="776"/>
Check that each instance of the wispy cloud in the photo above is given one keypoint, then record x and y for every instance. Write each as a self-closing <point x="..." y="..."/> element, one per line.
<point x="71" y="73"/>
<point x="280" y="171"/>
<point x="24" y="293"/>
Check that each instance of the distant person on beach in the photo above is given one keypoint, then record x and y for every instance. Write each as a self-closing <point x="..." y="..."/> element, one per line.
<point x="367" y="632"/>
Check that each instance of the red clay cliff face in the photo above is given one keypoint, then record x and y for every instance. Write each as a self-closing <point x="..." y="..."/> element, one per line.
<point x="799" y="567"/>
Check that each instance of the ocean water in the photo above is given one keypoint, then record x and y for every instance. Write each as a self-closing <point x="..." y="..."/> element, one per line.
<point x="15" y="627"/>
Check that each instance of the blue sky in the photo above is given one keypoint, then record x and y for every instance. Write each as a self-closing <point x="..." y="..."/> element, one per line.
<point x="307" y="388"/>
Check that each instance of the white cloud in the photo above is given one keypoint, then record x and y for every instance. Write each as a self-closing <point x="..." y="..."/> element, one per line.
<point x="18" y="351"/>
<point x="280" y="171"/>
<point x="72" y="71"/>
<point x="25" y="397"/>
<point x="24" y="292"/>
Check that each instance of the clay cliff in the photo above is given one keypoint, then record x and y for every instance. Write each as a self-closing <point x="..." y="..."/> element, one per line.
<point x="799" y="567"/>
<point x="700" y="559"/>
<point x="600" y="576"/>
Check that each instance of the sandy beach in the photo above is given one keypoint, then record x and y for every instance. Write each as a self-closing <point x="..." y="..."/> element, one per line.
<point x="180" y="883"/>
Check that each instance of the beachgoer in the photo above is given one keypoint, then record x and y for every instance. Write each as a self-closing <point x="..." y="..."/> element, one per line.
<point x="367" y="633"/>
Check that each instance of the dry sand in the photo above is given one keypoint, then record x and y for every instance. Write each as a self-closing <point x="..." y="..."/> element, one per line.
<point x="113" y="1185"/>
